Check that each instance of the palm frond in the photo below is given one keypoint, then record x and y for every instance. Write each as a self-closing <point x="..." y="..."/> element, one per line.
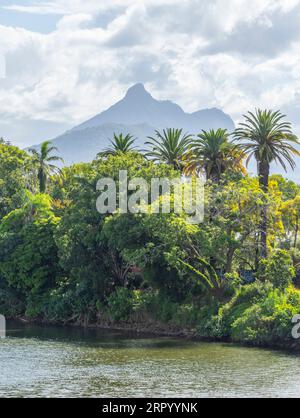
<point x="119" y="144"/>
<point x="169" y="146"/>
<point x="267" y="137"/>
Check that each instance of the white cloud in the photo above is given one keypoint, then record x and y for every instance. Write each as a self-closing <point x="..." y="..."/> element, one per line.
<point x="38" y="8"/>
<point x="73" y="22"/>
<point x="235" y="55"/>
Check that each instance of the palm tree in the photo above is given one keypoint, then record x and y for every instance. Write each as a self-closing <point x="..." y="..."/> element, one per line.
<point x="43" y="160"/>
<point x="213" y="153"/>
<point x="169" y="147"/>
<point x="120" y="144"/>
<point x="266" y="137"/>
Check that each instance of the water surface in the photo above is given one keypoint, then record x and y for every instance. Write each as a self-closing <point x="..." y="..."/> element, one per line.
<point x="40" y="361"/>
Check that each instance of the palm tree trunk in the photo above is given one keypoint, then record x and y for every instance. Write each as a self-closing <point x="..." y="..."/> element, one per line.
<point x="213" y="175"/>
<point x="263" y="173"/>
<point x="216" y="178"/>
<point x="42" y="181"/>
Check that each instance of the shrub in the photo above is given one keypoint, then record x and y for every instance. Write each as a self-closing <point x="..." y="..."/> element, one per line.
<point x="278" y="269"/>
<point x="218" y="323"/>
<point x="187" y="315"/>
<point x="245" y="297"/>
<point x="209" y="325"/>
<point x="60" y="306"/>
<point x="12" y="301"/>
<point x="121" y="304"/>
<point x="258" y="314"/>
<point x="295" y="254"/>
<point x="158" y="306"/>
<point x="270" y="320"/>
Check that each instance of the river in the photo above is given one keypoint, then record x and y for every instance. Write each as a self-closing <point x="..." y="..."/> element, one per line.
<point x="38" y="361"/>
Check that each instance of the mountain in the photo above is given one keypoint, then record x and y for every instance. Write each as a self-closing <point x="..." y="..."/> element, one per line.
<point x="139" y="114"/>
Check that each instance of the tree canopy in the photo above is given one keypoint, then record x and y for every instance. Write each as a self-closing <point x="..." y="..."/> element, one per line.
<point x="62" y="261"/>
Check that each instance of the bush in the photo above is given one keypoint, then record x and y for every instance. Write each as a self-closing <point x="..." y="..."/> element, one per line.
<point x="295" y="254"/>
<point x="245" y="297"/>
<point x="121" y="304"/>
<point x="124" y="303"/>
<point x="278" y="268"/>
<point x="268" y="321"/>
<point x="209" y="325"/>
<point x="12" y="301"/>
<point x="258" y="314"/>
<point x="158" y="306"/>
<point x="60" y="306"/>
<point x="187" y="315"/>
<point x="216" y="322"/>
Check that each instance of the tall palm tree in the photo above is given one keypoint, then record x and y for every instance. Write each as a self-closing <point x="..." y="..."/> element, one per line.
<point x="169" y="147"/>
<point x="43" y="161"/>
<point x="120" y="144"/>
<point x="213" y="153"/>
<point x="268" y="138"/>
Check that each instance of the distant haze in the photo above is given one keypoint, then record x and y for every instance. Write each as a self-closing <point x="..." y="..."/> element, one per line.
<point x="139" y="114"/>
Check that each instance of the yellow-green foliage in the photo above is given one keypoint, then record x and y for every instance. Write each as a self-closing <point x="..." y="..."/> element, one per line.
<point x="259" y="314"/>
<point x="278" y="269"/>
<point x="62" y="260"/>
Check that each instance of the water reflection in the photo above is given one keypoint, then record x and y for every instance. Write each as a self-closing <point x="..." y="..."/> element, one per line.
<point x="60" y="362"/>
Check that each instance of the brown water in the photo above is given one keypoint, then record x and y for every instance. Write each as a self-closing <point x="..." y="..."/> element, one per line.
<point x="66" y="362"/>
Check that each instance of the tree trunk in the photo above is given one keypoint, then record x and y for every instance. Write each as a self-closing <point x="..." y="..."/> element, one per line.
<point x="229" y="259"/>
<point x="263" y="174"/>
<point x="296" y="232"/>
<point x="42" y="181"/>
<point x="213" y="175"/>
<point x="257" y="238"/>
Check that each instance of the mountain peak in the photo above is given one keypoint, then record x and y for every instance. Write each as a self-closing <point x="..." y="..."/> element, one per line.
<point x="137" y="91"/>
<point x="139" y="107"/>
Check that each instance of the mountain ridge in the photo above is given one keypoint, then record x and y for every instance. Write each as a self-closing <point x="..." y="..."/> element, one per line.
<point x="159" y="113"/>
<point x="138" y="114"/>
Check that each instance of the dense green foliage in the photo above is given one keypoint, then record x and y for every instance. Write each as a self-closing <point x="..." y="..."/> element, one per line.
<point x="62" y="261"/>
<point x="257" y="314"/>
<point x="16" y="175"/>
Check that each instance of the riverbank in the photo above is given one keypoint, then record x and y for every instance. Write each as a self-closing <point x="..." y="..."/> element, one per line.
<point x="256" y="315"/>
<point x="156" y="329"/>
<point x="151" y="328"/>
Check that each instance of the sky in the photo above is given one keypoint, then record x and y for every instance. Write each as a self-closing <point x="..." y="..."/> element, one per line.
<point x="67" y="60"/>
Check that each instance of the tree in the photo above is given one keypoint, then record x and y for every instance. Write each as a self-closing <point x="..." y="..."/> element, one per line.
<point x="16" y="175"/>
<point x="43" y="160"/>
<point x="266" y="137"/>
<point x="28" y="254"/>
<point x="169" y="147"/>
<point x="289" y="189"/>
<point x="120" y="144"/>
<point x="213" y="153"/>
<point x="278" y="269"/>
<point x="90" y="249"/>
<point x="291" y="217"/>
<point x="236" y="207"/>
